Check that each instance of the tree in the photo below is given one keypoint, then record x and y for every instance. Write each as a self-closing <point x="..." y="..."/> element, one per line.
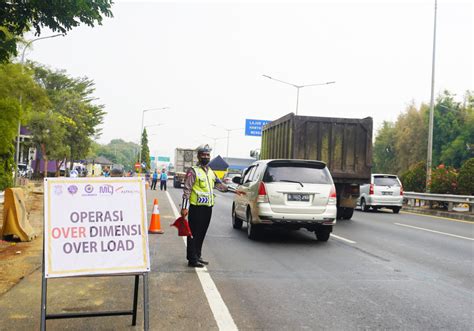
<point x="118" y="151"/>
<point x="145" y="151"/>
<point x="444" y="180"/>
<point x="448" y="120"/>
<point x="19" y="93"/>
<point x="9" y="113"/>
<point x="18" y="17"/>
<point x="71" y="98"/>
<point x="466" y="178"/>
<point x="460" y="147"/>
<point x="414" y="179"/>
<point x="411" y="137"/>
<point x="48" y="133"/>
<point x="384" y="149"/>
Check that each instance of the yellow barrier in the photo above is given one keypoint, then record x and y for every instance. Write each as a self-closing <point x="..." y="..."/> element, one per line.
<point x="15" y="216"/>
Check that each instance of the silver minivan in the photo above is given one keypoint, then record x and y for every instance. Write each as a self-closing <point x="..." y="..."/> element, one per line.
<point x="384" y="190"/>
<point x="286" y="193"/>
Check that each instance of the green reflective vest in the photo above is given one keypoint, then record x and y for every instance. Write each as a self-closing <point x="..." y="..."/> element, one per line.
<point x="202" y="191"/>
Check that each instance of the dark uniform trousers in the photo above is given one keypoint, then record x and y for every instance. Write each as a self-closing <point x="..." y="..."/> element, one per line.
<point x="199" y="219"/>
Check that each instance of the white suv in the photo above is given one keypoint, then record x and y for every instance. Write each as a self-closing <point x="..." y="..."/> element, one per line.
<point x="287" y="193"/>
<point x="383" y="191"/>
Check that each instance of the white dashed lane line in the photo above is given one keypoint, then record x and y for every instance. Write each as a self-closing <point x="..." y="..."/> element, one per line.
<point x="428" y="230"/>
<point x="342" y="238"/>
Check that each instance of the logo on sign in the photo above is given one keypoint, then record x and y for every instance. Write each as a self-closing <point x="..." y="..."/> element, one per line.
<point x="123" y="190"/>
<point x="106" y="190"/>
<point x="58" y="189"/>
<point x="89" y="188"/>
<point x="72" y="189"/>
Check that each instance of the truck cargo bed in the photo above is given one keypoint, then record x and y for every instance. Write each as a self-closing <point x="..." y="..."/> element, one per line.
<point x="345" y="144"/>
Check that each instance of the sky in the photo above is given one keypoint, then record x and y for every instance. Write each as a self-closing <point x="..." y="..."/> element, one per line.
<point x="206" y="61"/>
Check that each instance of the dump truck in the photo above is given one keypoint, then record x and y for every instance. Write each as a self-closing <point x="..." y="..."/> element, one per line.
<point x="184" y="158"/>
<point x="344" y="144"/>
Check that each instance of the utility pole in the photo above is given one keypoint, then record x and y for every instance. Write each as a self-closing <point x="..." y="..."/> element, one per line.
<point x="430" y="128"/>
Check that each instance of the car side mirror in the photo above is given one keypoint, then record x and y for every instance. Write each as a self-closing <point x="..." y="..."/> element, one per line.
<point x="236" y="180"/>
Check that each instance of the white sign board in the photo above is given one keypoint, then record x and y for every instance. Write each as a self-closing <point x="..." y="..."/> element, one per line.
<point x="95" y="226"/>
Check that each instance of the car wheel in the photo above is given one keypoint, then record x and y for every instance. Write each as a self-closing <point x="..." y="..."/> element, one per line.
<point x="253" y="230"/>
<point x="396" y="210"/>
<point x="236" y="222"/>
<point x="323" y="234"/>
<point x="363" y="205"/>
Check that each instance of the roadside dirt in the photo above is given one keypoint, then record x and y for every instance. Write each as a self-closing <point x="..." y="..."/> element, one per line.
<point x="19" y="259"/>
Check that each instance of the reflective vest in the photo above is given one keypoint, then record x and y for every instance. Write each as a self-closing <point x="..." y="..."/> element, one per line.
<point x="202" y="190"/>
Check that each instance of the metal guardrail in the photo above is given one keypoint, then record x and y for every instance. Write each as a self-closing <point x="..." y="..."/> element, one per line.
<point x="449" y="198"/>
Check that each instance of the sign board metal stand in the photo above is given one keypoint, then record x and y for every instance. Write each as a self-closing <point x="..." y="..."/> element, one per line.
<point x="60" y="197"/>
<point x="45" y="316"/>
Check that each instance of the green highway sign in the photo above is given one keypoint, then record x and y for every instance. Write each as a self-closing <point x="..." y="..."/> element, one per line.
<point x="164" y="158"/>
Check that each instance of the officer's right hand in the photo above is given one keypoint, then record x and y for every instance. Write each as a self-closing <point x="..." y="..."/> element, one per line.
<point x="184" y="212"/>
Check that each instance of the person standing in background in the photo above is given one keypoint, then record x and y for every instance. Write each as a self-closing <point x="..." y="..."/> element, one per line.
<point x="163" y="179"/>
<point x="154" y="180"/>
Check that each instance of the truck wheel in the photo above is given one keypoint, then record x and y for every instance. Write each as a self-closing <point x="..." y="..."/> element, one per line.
<point x="253" y="230"/>
<point x="236" y="222"/>
<point x="363" y="205"/>
<point x="347" y="213"/>
<point x="323" y="233"/>
<point x="396" y="210"/>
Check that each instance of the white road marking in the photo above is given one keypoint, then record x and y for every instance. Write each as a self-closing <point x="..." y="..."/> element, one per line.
<point x="444" y="233"/>
<point x="343" y="239"/>
<point x="219" y="309"/>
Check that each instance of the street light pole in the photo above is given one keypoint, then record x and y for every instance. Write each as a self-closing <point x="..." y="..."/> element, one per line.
<point x="141" y="130"/>
<point x="298" y="87"/>
<point x="430" y="128"/>
<point x="22" y="62"/>
<point x="215" y="140"/>
<point x="228" y="136"/>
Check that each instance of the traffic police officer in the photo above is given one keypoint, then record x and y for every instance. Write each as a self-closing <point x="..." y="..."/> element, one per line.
<point x="198" y="192"/>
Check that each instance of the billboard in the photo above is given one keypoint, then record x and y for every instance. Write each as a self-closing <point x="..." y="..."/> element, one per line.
<point x="95" y="226"/>
<point x="254" y="127"/>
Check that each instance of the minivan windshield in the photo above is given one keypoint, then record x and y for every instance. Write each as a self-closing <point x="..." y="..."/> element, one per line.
<point x="386" y="181"/>
<point x="299" y="173"/>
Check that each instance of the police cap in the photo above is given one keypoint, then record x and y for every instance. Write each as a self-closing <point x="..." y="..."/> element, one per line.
<point x="203" y="149"/>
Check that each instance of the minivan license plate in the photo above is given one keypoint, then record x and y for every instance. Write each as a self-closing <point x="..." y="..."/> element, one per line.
<point x="298" y="197"/>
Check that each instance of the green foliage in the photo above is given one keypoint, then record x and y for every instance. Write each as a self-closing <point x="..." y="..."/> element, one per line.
<point x="49" y="133"/>
<point x="18" y="95"/>
<point x="466" y="178"/>
<point x="414" y="179"/>
<point x="118" y="151"/>
<point x="71" y="102"/>
<point x="18" y="17"/>
<point x="461" y="147"/>
<point x="9" y="114"/>
<point x="145" y="151"/>
<point x="401" y="145"/>
<point x="444" y="180"/>
<point x="411" y="138"/>
<point x="384" y="149"/>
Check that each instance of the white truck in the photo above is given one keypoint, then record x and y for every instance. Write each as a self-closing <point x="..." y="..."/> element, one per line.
<point x="184" y="158"/>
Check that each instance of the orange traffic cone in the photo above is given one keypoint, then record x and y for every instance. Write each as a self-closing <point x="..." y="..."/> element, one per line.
<point x="155" y="224"/>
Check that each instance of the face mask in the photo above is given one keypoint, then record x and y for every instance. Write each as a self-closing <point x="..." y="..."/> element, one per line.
<point x="204" y="161"/>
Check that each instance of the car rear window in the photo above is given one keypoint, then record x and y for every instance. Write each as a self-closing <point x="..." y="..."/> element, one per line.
<point x="304" y="173"/>
<point x="386" y="181"/>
